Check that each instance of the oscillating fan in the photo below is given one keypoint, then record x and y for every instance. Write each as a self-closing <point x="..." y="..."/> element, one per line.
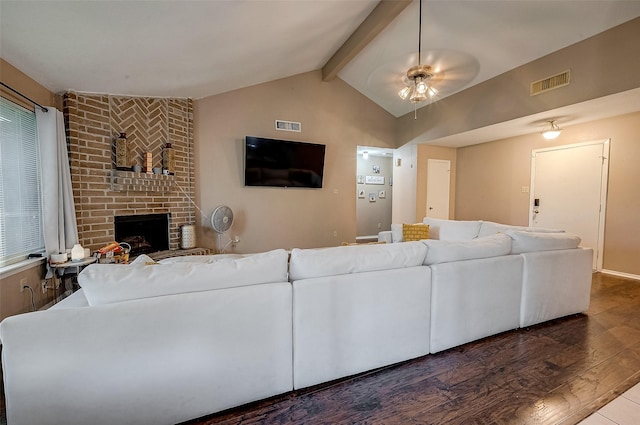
<point x="221" y="221"/>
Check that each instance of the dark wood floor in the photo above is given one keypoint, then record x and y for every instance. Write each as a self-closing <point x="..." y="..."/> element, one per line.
<point x="554" y="373"/>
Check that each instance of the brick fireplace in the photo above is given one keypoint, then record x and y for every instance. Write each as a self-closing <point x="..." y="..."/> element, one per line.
<point x="100" y="191"/>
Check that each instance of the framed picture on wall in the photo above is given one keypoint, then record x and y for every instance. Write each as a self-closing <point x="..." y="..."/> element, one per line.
<point x="372" y="197"/>
<point x="361" y="193"/>
<point x="382" y="194"/>
<point x="374" y="179"/>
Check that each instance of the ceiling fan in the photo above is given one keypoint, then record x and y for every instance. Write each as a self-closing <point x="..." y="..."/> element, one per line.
<point x="426" y="75"/>
<point x="418" y="76"/>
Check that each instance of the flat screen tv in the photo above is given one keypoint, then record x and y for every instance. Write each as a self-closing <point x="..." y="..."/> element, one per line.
<point x="282" y="163"/>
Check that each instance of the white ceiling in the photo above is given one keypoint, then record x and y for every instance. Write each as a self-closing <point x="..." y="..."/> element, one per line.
<point x="185" y="48"/>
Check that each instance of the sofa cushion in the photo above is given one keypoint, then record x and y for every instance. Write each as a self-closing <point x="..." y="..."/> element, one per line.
<point x="447" y="251"/>
<point x="110" y="283"/>
<point x="202" y="258"/>
<point x="396" y="233"/>
<point x="535" y="241"/>
<point x="488" y="228"/>
<point x="415" y="232"/>
<point x="452" y="230"/>
<point x="308" y="263"/>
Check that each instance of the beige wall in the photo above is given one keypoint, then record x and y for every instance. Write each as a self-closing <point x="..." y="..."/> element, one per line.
<point x="331" y="113"/>
<point x="12" y="301"/>
<point x="405" y="174"/>
<point x="19" y="81"/>
<point x="491" y="175"/>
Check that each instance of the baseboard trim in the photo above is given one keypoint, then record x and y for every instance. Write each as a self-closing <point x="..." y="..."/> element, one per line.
<point x="621" y="274"/>
<point x="358" y="238"/>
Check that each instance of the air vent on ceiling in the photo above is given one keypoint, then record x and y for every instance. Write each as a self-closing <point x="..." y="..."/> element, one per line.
<point x="551" y="83"/>
<point x="288" y="126"/>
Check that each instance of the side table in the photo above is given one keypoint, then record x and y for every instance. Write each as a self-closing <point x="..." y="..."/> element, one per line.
<point x="70" y="270"/>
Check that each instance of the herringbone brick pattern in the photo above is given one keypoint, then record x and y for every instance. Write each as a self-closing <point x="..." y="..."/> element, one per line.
<point x="94" y="121"/>
<point x="145" y="122"/>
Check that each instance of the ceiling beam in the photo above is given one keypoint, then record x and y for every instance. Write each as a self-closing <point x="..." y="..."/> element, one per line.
<point x="383" y="14"/>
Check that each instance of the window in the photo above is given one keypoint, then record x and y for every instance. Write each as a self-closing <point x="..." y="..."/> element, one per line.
<point x="20" y="201"/>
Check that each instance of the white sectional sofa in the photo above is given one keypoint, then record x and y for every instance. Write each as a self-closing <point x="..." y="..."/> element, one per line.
<point x="160" y="344"/>
<point x="357" y="308"/>
<point x="220" y="336"/>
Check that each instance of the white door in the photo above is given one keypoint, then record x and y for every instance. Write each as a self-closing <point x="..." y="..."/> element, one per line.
<point x="568" y="191"/>
<point x="438" y="178"/>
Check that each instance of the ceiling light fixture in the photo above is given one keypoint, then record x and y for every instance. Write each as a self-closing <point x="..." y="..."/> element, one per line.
<point x="552" y="131"/>
<point x="418" y="88"/>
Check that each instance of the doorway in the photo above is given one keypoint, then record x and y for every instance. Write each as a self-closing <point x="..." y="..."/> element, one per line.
<point x="438" y="188"/>
<point x="569" y="191"/>
<point x="373" y="196"/>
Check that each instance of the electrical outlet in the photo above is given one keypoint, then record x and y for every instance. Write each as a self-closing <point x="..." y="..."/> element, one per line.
<point x="23" y="283"/>
<point x="43" y="285"/>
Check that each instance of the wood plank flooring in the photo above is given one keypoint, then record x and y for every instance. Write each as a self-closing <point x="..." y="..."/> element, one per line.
<point x="553" y="373"/>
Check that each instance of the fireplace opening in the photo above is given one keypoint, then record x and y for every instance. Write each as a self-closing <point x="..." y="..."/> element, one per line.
<point x="145" y="233"/>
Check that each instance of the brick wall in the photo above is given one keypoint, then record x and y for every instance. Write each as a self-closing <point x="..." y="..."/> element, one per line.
<point x="93" y="123"/>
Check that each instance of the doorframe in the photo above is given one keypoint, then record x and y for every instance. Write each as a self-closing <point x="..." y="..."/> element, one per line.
<point x="604" y="179"/>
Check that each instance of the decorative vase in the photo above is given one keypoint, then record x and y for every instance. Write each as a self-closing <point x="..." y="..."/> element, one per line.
<point x="122" y="153"/>
<point x="77" y="253"/>
<point x="168" y="159"/>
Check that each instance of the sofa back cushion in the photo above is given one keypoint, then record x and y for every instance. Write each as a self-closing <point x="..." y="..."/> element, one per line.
<point x="309" y="263"/>
<point x="452" y="230"/>
<point x="541" y="241"/>
<point x="440" y="251"/>
<point x="488" y="228"/>
<point x="110" y="283"/>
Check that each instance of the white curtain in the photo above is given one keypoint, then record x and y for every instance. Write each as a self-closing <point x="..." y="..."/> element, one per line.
<point x="58" y="209"/>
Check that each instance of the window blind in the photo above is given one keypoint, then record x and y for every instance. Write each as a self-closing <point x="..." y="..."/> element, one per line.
<point x="20" y="200"/>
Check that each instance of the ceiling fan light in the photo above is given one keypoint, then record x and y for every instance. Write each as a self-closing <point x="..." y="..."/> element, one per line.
<point x="432" y="92"/>
<point x="418" y="97"/>
<point x="552" y="131"/>
<point x="404" y="93"/>
<point x="551" y="134"/>
<point x="421" y="86"/>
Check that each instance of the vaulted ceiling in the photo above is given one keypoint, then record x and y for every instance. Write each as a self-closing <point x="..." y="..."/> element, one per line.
<point x="185" y="48"/>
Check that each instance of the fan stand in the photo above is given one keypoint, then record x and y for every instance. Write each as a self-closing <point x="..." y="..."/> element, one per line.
<point x="231" y="242"/>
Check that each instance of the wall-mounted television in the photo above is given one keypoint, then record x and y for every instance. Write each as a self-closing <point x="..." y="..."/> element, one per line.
<point x="283" y="163"/>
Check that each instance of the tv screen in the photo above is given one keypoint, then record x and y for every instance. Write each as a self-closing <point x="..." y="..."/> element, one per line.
<point x="281" y="163"/>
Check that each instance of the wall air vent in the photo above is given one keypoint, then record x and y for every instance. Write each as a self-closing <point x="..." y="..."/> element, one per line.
<point x="288" y="126"/>
<point x="551" y="83"/>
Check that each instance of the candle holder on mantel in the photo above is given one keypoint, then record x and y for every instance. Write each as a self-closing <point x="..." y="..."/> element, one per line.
<point x="148" y="163"/>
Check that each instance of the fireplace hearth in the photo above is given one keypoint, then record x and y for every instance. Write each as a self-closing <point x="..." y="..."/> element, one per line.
<point x="145" y="233"/>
